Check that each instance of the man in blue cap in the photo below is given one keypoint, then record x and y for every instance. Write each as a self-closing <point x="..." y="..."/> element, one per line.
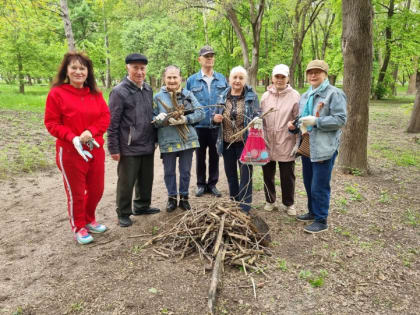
<point x="207" y="85"/>
<point x="131" y="140"/>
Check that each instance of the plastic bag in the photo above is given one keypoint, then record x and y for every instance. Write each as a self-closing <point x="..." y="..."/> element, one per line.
<point x="255" y="151"/>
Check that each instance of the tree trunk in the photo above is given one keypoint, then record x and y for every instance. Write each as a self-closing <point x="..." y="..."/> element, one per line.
<point x="67" y="25"/>
<point x="394" y="80"/>
<point x="256" y="16"/>
<point x="20" y="74"/>
<point x="300" y="28"/>
<point x="332" y="78"/>
<point x="414" y="124"/>
<point x="108" y="78"/>
<point x="357" y="55"/>
<point x="301" y="76"/>
<point x="412" y="81"/>
<point x="387" y="57"/>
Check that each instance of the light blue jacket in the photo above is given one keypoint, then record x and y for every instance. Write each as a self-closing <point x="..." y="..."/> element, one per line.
<point x="324" y="138"/>
<point x="198" y="86"/>
<point x="252" y="109"/>
<point x="168" y="136"/>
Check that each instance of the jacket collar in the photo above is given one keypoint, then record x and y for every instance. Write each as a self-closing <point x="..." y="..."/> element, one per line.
<point x="249" y="93"/>
<point x="271" y="88"/>
<point x="132" y="87"/>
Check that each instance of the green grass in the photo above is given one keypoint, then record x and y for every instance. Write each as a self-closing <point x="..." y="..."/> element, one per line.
<point x="399" y="155"/>
<point x="33" y="100"/>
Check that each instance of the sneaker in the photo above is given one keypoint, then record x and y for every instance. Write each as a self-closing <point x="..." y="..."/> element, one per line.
<point x="83" y="237"/>
<point x="269" y="206"/>
<point x="305" y="217"/>
<point x="291" y="210"/>
<point x="316" y="227"/>
<point x="95" y="227"/>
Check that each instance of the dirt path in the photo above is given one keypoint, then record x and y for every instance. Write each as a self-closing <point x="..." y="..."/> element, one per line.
<point x="367" y="263"/>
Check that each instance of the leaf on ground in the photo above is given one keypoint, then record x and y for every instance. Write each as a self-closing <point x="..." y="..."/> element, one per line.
<point x="153" y="290"/>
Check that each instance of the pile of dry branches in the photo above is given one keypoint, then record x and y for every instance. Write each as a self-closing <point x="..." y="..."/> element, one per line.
<point x="208" y="228"/>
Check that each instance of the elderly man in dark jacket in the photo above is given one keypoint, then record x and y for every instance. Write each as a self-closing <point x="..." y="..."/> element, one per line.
<point x="131" y="140"/>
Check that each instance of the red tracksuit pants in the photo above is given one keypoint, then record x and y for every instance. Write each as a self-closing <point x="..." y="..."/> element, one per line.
<point x="83" y="182"/>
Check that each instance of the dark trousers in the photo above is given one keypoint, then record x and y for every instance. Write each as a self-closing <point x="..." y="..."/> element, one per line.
<point x="316" y="178"/>
<point x="169" y="166"/>
<point x="134" y="171"/>
<point x="287" y="182"/>
<point x="239" y="190"/>
<point x="207" y="138"/>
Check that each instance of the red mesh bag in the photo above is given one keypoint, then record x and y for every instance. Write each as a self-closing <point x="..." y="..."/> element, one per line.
<point x="255" y="151"/>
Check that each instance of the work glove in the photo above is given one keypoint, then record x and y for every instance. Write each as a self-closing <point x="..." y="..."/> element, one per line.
<point x="295" y="149"/>
<point x="83" y="153"/>
<point x="85" y="136"/>
<point x="308" y="121"/>
<point x="182" y="120"/>
<point x="258" y="124"/>
<point x="161" y="116"/>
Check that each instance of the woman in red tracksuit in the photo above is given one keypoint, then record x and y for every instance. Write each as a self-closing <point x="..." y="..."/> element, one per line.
<point x="77" y="115"/>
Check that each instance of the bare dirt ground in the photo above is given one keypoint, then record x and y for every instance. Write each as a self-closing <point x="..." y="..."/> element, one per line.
<point x="367" y="262"/>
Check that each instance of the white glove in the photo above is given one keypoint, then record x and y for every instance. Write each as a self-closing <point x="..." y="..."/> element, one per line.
<point x="161" y="116"/>
<point x="295" y="149"/>
<point x="308" y="121"/>
<point x="258" y="124"/>
<point x="83" y="153"/>
<point x="182" y="120"/>
<point x="302" y="128"/>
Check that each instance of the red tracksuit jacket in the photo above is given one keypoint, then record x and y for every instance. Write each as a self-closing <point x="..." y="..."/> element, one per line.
<point x="70" y="111"/>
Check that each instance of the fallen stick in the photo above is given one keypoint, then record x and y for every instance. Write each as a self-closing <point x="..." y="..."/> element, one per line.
<point x="219" y="235"/>
<point x="215" y="279"/>
<point x="139" y="235"/>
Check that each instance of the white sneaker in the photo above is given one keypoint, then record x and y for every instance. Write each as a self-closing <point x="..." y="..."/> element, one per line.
<point x="269" y="206"/>
<point x="291" y="210"/>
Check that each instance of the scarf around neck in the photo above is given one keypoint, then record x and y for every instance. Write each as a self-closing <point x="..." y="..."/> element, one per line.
<point x="308" y="110"/>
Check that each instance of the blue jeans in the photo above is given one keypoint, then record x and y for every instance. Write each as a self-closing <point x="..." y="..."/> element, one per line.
<point x="316" y="178"/>
<point x="169" y="167"/>
<point x="239" y="190"/>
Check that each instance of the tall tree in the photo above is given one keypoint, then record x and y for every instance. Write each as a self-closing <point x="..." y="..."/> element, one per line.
<point x="305" y="14"/>
<point x="414" y="124"/>
<point x="357" y="54"/>
<point x="256" y="12"/>
<point x="67" y="25"/>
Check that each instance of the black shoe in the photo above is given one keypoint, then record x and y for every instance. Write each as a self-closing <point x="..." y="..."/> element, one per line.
<point x="214" y="191"/>
<point x="305" y="217"/>
<point x="148" y="210"/>
<point x="125" y="221"/>
<point x="200" y="191"/>
<point x="172" y="203"/>
<point x="316" y="227"/>
<point x="183" y="203"/>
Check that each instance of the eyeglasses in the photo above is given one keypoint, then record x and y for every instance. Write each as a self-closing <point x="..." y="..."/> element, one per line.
<point x="316" y="73"/>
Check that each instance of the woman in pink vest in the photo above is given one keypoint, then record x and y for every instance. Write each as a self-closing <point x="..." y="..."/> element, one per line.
<point x="281" y="143"/>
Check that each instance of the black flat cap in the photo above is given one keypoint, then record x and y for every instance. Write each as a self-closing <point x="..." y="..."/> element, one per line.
<point x="205" y="50"/>
<point x="132" y="58"/>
